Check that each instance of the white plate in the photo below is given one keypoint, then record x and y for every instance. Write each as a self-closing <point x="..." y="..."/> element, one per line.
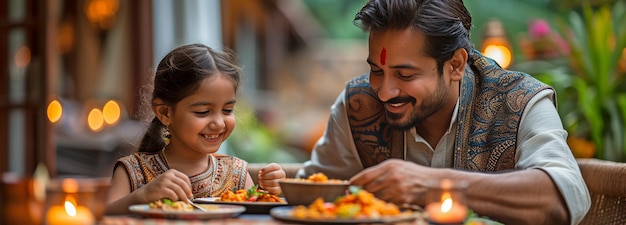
<point x="284" y="213"/>
<point x="214" y="211"/>
<point x="251" y="207"/>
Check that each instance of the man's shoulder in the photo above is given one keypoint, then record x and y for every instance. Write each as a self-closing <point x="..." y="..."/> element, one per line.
<point x="359" y="81"/>
<point x="359" y="89"/>
<point x="489" y="70"/>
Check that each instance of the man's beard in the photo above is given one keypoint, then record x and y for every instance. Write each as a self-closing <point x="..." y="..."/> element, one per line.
<point x="429" y="106"/>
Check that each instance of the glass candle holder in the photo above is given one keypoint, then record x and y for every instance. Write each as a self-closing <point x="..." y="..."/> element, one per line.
<point x="446" y="202"/>
<point x="77" y="201"/>
<point x="19" y="202"/>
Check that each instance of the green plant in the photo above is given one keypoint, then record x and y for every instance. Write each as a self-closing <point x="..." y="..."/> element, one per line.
<point x="592" y="101"/>
<point x="254" y="142"/>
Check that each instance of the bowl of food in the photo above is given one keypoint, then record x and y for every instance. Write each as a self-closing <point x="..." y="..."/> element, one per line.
<point x="299" y="191"/>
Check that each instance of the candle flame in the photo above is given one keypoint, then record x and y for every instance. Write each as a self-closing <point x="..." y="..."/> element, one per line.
<point x="446" y="205"/>
<point x="70" y="209"/>
<point x="446" y="202"/>
<point x="445" y="195"/>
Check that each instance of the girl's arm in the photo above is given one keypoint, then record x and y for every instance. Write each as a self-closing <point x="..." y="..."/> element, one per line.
<point x="119" y="196"/>
<point x="172" y="184"/>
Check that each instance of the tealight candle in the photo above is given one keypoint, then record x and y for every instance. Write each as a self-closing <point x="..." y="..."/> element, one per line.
<point x="445" y="203"/>
<point x="447" y="212"/>
<point x="69" y="214"/>
<point x="68" y="201"/>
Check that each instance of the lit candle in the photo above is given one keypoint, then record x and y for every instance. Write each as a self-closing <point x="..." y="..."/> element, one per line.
<point x="447" y="211"/>
<point x="69" y="214"/>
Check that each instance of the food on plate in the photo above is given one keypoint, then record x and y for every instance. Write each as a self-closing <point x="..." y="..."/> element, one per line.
<point x="357" y="204"/>
<point x="317" y="178"/>
<point x="253" y="194"/>
<point x="169" y="205"/>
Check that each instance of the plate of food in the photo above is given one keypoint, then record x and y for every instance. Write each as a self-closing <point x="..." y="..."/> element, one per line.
<point x="356" y="207"/>
<point x="285" y="214"/>
<point x="255" y="200"/>
<point x="168" y="209"/>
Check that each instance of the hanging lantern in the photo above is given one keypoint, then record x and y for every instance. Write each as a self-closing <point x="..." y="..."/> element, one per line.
<point x="495" y="44"/>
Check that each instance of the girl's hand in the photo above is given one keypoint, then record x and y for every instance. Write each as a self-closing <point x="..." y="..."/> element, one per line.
<point x="172" y="184"/>
<point x="269" y="177"/>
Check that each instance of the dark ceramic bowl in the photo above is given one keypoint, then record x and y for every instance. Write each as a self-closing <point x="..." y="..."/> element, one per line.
<point x="301" y="192"/>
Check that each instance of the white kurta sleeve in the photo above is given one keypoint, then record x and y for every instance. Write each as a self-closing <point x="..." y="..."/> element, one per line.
<point x="542" y="144"/>
<point x="334" y="153"/>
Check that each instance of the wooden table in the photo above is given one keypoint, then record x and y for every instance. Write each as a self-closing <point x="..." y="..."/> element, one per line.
<point x="244" y="219"/>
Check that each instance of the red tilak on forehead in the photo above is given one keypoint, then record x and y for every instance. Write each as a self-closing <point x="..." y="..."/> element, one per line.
<point x="383" y="56"/>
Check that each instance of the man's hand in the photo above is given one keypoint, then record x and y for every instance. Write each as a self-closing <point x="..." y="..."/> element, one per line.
<point x="396" y="181"/>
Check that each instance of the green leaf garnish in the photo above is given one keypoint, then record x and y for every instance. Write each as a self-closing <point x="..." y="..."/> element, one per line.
<point x="253" y="191"/>
<point x="167" y="201"/>
<point x="354" y="189"/>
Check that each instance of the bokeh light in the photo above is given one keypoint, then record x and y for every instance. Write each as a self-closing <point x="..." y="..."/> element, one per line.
<point x="54" y="111"/>
<point x="95" y="119"/>
<point x="500" y="53"/>
<point x="102" y="12"/>
<point x="69" y="185"/>
<point x="111" y="112"/>
<point x="22" y="57"/>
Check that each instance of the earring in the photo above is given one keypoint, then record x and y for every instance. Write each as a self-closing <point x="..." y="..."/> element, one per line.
<point x="166" y="135"/>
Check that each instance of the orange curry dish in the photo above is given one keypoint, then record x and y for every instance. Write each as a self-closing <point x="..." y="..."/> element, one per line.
<point x="357" y="204"/>
<point x="317" y="178"/>
<point x="254" y="194"/>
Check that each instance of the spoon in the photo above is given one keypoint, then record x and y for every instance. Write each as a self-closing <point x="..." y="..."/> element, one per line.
<point x="196" y="205"/>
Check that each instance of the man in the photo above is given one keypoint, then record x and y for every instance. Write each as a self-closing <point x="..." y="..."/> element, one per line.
<point x="432" y="107"/>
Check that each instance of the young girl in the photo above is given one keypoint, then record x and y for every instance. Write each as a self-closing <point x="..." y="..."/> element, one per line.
<point x="193" y="102"/>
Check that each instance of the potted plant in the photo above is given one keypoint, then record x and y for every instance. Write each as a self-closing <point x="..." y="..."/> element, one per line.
<point x="592" y="92"/>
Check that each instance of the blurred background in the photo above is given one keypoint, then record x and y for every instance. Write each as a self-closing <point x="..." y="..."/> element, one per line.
<point x="73" y="71"/>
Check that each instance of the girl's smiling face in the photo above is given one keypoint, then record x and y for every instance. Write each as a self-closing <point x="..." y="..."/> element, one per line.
<point x="203" y="120"/>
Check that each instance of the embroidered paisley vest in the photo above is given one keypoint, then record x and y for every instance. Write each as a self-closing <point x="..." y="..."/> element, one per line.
<point x="230" y="174"/>
<point x="491" y="104"/>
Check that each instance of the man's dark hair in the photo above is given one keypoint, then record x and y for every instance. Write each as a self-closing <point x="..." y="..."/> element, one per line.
<point x="446" y="23"/>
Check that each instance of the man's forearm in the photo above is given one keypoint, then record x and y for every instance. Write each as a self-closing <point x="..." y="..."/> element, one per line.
<point x="519" y="197"/>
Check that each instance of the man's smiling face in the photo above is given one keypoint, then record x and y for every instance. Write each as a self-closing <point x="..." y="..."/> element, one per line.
<point x="405" y="78"/>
